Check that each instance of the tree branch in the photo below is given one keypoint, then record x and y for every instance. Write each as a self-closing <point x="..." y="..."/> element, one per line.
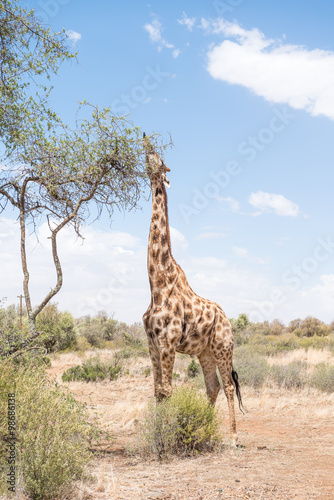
<point x="10" y="198"/>
<point x="23" y="244"/>
<point x="55" y="256"/>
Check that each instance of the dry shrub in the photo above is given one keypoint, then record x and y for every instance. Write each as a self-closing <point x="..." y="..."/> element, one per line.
<point x="182" y="425"/>
<point x="52" y="431"/>
<point x="323" y="377"/>
<point x="82" y="344"/>
<point x="252" y="368"/>
<point x="291" y="375"/>
<point x="93" y="370"/>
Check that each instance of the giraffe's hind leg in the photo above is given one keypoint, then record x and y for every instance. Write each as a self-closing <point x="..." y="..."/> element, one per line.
<point x="225" y="369"/>
<point x="209" y="367"/>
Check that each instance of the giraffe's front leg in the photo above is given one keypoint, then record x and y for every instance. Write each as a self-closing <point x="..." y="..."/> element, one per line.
<point x="167" y="358"/>
<point x="156" y="365"/>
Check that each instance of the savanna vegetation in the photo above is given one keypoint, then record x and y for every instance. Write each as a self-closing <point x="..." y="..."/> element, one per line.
<point x="255" y="345"/>
<point x="183" y="426"/>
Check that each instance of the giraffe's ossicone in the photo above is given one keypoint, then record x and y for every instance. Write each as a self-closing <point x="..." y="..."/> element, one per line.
<point x="178" y="320"/>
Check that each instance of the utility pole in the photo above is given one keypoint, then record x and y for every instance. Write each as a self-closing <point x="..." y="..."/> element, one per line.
<point x="20" y="297"/>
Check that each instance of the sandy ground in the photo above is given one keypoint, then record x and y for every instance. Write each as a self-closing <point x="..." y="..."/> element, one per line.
<point x="286" y="444"/>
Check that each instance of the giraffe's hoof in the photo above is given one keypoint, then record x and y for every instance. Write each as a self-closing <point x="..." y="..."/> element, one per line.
<point x="234" y="440"/>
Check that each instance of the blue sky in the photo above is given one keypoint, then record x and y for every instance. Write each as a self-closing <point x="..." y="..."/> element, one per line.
<point x="246" y="90"/>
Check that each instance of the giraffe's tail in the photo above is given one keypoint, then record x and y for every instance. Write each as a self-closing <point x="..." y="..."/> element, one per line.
<point x="237" y="390"/>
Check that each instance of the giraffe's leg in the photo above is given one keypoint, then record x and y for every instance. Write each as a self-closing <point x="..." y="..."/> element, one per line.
<point x="167" y="358"/>
<point x="156" y="364"/>
<point x="209" y="368"/>
<point x="225" y="369"/>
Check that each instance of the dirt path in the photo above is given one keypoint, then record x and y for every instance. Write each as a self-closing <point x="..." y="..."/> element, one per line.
<point x="281" y="460"/>
<point x="286" y="452"/>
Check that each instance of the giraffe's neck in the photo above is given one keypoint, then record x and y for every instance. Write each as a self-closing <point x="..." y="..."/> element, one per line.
<point x="159" y="256"/>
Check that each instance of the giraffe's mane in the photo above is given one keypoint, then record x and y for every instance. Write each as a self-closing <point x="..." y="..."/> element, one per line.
<point x="164" y="192"/>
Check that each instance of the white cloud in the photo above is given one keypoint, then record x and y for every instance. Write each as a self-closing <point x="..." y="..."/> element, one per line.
<point x="74" y="36"/>
<point x="154" y="30"/>
<point x="277" y="203"/>
<point x="178" y="241"/>
<point x="272" y="69"/>
<point x="189" y="22"/>
<point x="231" y="202"/>
<point x="244" y="254"/>
<point x="210" y="235"/>
<point x="316" y="300"/>
<point x="240" y="252"/>
<point x="319" y="299"/>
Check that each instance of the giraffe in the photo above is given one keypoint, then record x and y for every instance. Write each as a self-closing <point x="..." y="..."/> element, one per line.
<point x="177" y="319"/>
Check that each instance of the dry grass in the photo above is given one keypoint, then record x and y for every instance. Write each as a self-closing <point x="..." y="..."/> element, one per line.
<point x="311" y="356"/>
<point x="306" y="402"/>
<point x="277" y="418"/>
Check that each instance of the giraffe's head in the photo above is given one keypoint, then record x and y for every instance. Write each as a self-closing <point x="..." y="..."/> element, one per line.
<point x="156" y="168"/>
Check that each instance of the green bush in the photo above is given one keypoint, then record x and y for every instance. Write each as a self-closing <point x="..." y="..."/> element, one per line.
<point x="323" y="377"/>
<point x="252" y="368"/>
<point x="57" y="327"/>
<point x="115" y="372"/>
<point x="52" y="430"/>
<point x="315" y="342"/>
<point x="331" y="343"/>
<point x="276" y="327"/>
<point x="193" y="369"/>
<point x="184" y="424"/>
<point x="312" y="326"/>
<point x="291" y="375"/>
<point x="93" y="370"/>
<point x="92" y="331"/>
<point x="101" y="331"/>
<point x="269" y="345"/>
<point x="82" y="344"/>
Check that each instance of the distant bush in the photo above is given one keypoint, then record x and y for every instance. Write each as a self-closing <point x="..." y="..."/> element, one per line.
<point x="10" y="318"/>
<point x="269" y="345"/>
<point x="323" y="377"/>
<point x="57" y="327"/>
<point x="276" y="327"/>
<point x="94" y="370"/>
<point x="184" y="424"/>
<point x="240" y="323"/>
<point x="102" y="332"/>
<point x="312" y="326"/>
<point x="52" y="430"/>
<point x="82" y="344"/>
<point x="252" y="368"/>
<point x="315" y="342"/>
<point x="193" y="369"/>
<point x="135" y="345"/>
<point x="291" y="375"/>
<point x="331" y="343"/>
<point x="294" y="325"/>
